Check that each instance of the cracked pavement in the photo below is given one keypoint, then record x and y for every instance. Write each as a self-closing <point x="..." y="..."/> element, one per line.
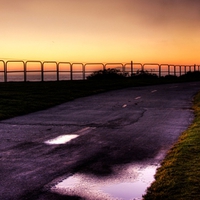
<point x="114" y="128"/>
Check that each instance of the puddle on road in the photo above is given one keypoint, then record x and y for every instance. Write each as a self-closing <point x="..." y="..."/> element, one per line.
<point x="62" y="139"/>
<point x="132" y="190"/>
<point x="131" y="183"/>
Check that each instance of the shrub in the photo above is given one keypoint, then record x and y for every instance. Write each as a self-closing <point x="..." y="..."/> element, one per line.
<point x="144" y="74"/>
<point x="191" y="75"/>
<point x="171" y="77"/>
<point x="106" y="74"/>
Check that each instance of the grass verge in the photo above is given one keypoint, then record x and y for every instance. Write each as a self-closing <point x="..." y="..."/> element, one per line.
<point x="178" y="177"/>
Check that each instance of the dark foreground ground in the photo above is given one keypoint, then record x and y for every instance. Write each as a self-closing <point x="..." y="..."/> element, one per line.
<point x="117" y="127"/>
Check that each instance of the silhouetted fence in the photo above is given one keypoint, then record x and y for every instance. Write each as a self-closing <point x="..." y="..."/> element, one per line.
<point x="32" y="70"/>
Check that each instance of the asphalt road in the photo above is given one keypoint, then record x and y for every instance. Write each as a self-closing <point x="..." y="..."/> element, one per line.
<point x="117" y="127"/>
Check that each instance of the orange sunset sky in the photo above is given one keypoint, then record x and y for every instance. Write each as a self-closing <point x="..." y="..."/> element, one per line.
<point x="161" y="31"/>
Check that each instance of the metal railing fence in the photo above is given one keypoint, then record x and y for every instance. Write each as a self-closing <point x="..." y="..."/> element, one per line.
<point x="79" y="71"/>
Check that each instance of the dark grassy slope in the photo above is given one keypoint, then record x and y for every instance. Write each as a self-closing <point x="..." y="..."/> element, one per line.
<point x="21" y="98"/>
<point x="18" y="98"/>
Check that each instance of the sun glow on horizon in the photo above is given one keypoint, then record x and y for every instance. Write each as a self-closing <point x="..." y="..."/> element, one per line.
<point x="100" y="31"/>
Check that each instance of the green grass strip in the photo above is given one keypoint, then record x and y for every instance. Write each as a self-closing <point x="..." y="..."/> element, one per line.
<point x="178" y="178"/>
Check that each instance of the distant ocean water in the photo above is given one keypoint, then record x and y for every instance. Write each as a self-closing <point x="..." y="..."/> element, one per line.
<point x="17" y="77"/>
<point x="76" y="75"/>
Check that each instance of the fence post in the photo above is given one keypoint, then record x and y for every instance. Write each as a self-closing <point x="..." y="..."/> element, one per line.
<point x="24" y="72"/>
<point x="159" y="71"/>
<point x="57" y="71"/>
<point x="168" y="69"/>
<point x="180" y="70"/>
<point x="131" y="67"/>
<point x="4" y="71"/>
<point x="174" y="70"/>
<point x="83" y="67"/>
<point x="42" y="72"/>
<point x="71" y="72"/>
<point x="104" y="67"/>
<point x="142" y="67"/>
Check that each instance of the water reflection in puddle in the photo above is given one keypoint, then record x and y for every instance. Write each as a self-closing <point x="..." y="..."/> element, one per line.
<point x="135" y="189"/>
<point x="131" y="183"/>
<point x="62" y="139"/>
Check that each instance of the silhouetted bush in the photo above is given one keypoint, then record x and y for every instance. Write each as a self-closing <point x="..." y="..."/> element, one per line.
<point x="107" y="74"/>
<point x="170" y="77"/>
<point x="191" y="75"/>
<point x="110" y="74"/>
<point x="144" y="74"/>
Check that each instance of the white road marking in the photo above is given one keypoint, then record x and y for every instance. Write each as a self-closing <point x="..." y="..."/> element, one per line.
<point x="62" y="139"/>
<point x="153" y="91"/>
<point x="138" y="98"/>
<point x="124" y="106"/>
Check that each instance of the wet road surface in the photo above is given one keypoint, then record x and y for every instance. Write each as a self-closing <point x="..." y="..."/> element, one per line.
<point x="110" y="129"/>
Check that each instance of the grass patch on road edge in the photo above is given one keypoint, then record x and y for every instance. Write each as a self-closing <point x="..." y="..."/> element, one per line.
<point x="178" y="178"/>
